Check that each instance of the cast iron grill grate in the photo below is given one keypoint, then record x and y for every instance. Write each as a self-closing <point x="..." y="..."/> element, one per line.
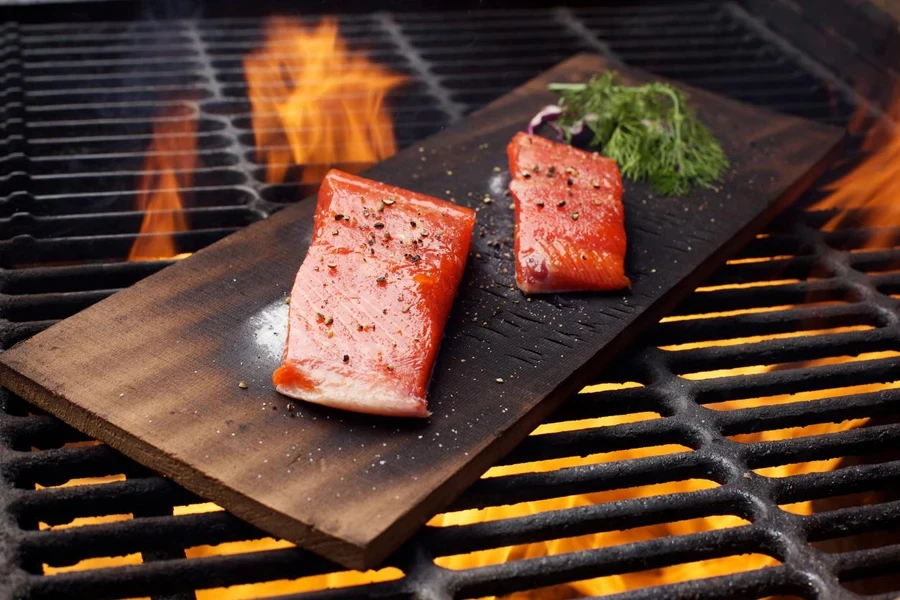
<point x="76" y="115"/>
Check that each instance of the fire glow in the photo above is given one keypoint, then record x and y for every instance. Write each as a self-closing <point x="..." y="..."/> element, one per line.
<point x="316" y="103"/>
<point x="168" y="169"/>
<point x="867" y="195"/>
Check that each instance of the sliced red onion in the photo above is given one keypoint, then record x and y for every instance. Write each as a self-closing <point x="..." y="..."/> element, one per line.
<point x="578" y="126"/>
<point x="550" y="112"/>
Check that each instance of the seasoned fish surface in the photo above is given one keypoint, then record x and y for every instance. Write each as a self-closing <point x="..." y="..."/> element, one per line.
<point x="372" y="296"/>
<point x="570" y="223"/>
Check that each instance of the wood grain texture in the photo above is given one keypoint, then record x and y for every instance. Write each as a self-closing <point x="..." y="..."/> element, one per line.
<point x="153" y="371"/>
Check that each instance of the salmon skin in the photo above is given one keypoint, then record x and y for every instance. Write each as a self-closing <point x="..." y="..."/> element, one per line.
<point x="570" y="224"/>
<point x="370" y="301"/>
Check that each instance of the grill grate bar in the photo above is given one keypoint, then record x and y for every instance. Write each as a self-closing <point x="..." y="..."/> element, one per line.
<point x="136" y="535"/>
<point x="165" y="576"/>
<point x="852" y="479"/>
<point x="777" y="294"/>
<point x="56" y="466"/>
<point x="606" y="439"/>
<point x="583" y="520"/>
<point x="868" y="563"/>
<point x="828" y="445"/>
<point x="420" y="67"/>
<point x="799" y="414"/>
<point x="801" y="318"/>
<point x="754" y="584"/>
<point x="593" y="405"/>
<point x="573" y="481"/>
<point x="855" y="520"/>
<point x="792" y="350"/>
<point x="795" y="380"/>
<point x="57" y="506"/>
<point x="549" y="570"/>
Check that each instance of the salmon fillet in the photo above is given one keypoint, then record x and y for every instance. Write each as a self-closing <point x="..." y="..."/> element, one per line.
<point x="372" y="296"/>
<point x="570" y="223"/>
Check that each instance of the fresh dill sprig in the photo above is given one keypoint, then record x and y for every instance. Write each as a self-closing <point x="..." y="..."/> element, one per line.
<point x="649" y="130"/>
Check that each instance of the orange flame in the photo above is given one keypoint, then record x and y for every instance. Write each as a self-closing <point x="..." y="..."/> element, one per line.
<point x="867" y="195"/>
<point x="168" y="167"/>
<point x="317" y="103"/>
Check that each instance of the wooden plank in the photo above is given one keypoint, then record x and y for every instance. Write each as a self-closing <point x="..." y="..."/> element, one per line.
<point x="153" y="370"/>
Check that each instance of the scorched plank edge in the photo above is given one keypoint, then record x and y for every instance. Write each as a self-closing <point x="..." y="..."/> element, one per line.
<point x="153" y="371"/>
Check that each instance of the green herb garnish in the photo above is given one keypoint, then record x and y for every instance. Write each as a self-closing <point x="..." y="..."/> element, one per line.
<point x="649" y="130"/>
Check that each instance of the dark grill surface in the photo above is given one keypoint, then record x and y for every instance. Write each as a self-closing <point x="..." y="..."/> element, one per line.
<point x="698" y="407"/>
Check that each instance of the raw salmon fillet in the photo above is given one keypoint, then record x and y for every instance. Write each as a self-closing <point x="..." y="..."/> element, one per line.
<point x="372" y="296"/>
<point x="570" y="224"/>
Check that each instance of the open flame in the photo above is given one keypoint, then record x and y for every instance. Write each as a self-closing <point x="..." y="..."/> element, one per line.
<point x="316" y="103"/>
<point x="867" y="196"/>
<point x="168" y="167"/>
